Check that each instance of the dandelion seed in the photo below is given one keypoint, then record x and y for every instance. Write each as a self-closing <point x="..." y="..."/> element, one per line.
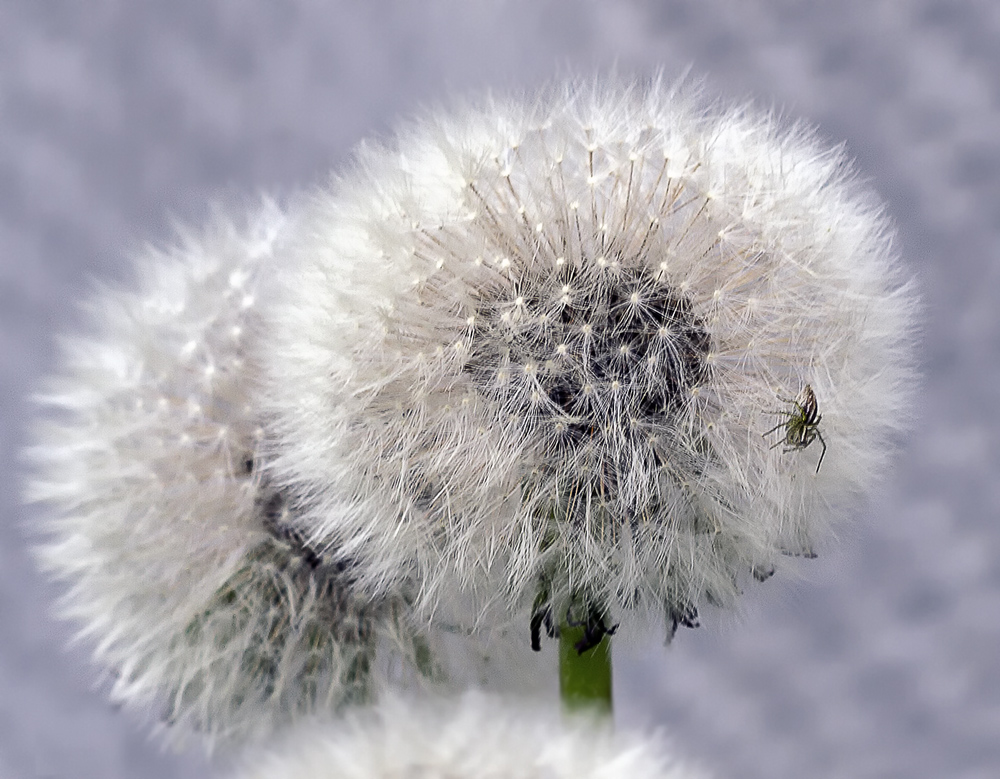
<point x="696" y="265"/>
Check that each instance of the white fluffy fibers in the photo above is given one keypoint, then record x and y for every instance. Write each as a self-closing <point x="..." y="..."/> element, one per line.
<point x="477" y="737"/>
<point x="536" y="346"/>
<point x="201" y="601"/>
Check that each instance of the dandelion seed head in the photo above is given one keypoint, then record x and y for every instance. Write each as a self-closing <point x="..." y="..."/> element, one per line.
<point x="209" y="611"/>
<point x="695" y="268"/>
<point x="473" y="736"/>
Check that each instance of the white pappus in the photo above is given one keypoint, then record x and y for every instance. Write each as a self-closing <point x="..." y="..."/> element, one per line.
<point x="531" y="347"/>
<point x="474" y="737"/>
<point x="206" y="608"/>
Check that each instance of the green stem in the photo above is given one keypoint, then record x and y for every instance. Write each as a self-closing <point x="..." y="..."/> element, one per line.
<point x="584" y="679"/>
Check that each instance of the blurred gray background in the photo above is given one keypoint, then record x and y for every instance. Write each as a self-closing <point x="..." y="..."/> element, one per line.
<point x="118" y="116"/>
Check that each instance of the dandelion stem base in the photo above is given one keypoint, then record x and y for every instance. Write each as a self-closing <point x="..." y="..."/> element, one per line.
<point x="584" y="678"/>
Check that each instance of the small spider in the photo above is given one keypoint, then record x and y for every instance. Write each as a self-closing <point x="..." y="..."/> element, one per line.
<point x="802" y="426"/>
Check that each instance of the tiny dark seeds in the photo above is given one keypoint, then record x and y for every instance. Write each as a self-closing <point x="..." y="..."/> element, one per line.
<point x="566" y="364"/>
<point x="350" y="619"/>
<point x="276" y="518"/>
<point x="594" y="628"/>
<point x="541" y="618"/>
<point x="685" y="615"/>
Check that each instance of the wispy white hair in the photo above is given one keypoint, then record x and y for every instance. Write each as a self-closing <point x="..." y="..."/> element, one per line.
<point x="204" y="606"/>
<point x="476" y="737"/>
<point x="532" y="346"/>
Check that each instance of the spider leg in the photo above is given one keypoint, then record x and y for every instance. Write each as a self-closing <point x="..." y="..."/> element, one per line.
<point x="823" y="453"/>
<point x="776" y="427"/>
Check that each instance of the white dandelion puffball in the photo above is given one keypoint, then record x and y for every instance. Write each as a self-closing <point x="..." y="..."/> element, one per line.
<point x="202" y="601"/>
<point x="591" y="344"/>
<point x="477" y="737"/>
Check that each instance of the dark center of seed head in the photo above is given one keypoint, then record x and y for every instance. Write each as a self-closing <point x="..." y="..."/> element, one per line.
<point x="608" y="359"/>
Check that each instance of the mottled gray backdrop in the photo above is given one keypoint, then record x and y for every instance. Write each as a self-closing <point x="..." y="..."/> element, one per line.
<point x="118" y="116"/>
